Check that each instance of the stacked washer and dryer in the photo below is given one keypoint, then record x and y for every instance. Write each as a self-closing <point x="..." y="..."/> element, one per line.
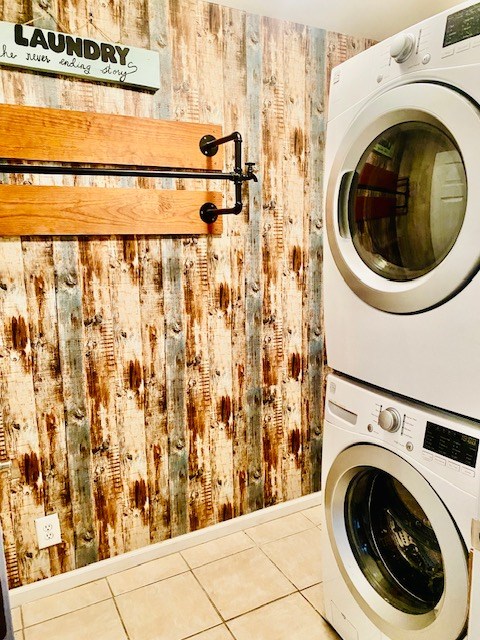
<point x="401" y="464"/>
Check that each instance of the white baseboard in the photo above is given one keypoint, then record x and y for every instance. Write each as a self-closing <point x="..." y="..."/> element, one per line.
<point x="98" y="570"/>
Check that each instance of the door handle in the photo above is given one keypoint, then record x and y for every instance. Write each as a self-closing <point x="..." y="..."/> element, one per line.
<point x="345" y="195"/>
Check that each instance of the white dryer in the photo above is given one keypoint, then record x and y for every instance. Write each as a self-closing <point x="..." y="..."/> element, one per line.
<point x="400" y="489"/>
<point x="402" y="281"/>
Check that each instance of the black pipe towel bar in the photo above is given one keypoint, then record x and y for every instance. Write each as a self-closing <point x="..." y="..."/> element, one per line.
<point x="208" y="146"/>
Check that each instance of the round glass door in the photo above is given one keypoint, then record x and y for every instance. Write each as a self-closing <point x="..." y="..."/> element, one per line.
<point x="396" y="546"/>
<point x="403" y="195"/>
<point x="408" y="201"/>
<point x="393" y="542"/>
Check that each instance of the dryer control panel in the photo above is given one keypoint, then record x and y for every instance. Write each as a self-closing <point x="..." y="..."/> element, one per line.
<point x="441" y="48"/>
<point x="446" y="443"/>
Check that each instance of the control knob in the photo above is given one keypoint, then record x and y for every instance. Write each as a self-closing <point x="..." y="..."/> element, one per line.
<point x="389" y="419"/>
<point x="402" y="47"/>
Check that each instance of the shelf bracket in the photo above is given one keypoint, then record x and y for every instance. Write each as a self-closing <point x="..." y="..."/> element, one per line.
<point x="209" y="147"/>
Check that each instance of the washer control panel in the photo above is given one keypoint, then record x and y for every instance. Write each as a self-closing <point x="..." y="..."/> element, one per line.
<point x="451" y="444"/>
<point x="446" y="443"/>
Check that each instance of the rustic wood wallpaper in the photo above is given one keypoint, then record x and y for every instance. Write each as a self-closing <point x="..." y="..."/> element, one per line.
<point x="152" y="386"/>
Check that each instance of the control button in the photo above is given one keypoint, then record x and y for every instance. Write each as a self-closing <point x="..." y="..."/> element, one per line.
<point x="389" y="420"/>
<point x="446" y="53"/>
<point x="336" y="78"/>
<point x="440" y="461"/>
<point x="427" y="456"/>
<point x="379" y="78"/>
<point x="426" y="58"/>
<point x="454" y="466"/>
<point x="468" y="472"/>
<point x="462" y="46"/>
<point x="402" y="47"/>
<point x="409" y="446"/>
<point x="370" y="428"/>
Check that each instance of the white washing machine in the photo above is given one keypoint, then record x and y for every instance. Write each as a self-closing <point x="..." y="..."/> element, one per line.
<point x="474" y="625"/>
<point x="402" y="281"/>
<point x="400" y="490"/>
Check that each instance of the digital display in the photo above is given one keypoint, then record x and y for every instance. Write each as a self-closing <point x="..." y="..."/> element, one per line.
<point x="451" y="444"/>
<point x="462" y="25"/>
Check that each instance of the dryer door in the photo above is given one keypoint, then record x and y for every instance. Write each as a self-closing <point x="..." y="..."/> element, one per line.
<point x="396" y="545"/>
<point x="403" y="198"/>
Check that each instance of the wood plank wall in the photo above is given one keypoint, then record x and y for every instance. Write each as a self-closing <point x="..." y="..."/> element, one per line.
<point x="149" y="387"/>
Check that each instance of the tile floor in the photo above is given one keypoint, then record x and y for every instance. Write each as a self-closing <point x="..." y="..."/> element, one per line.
<point x="259" y="584"/>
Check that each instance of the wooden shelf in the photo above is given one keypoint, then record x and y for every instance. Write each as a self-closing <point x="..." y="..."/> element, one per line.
<point x="75" y="211"/>
<point x="57" y="136"/>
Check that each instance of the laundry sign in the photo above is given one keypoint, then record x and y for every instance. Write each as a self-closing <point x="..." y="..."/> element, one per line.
<point x="55" y="52"/>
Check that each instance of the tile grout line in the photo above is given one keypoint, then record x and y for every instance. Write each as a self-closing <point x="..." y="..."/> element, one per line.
<point x="110" y="588"/>
<point x="229" y="555"/>
<point x="21" y="617"/>
<point x="115" y="604"/>
<point x="149" y="584"/>
<point x="112" y="597"/>
<point x="262" y="606"/>
<point x="290" y="535"/>
<point x="313" y="607"/>
<point x="318" y="612"/>
<point x="195" y="635"/>
<point x="278" y="569"/>
<point x="208" y="596"/>
<point x="278" y="600"/>
<point x="281" y="570"/>
<point x="66" y="613"/>
<point x="311" y="526"/>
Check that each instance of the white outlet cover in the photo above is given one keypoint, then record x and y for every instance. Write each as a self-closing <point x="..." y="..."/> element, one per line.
<point x="48" y="531"/>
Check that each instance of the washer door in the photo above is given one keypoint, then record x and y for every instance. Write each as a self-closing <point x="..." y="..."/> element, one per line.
<point x="401" y="228"/>
<point x="396" y="545"/>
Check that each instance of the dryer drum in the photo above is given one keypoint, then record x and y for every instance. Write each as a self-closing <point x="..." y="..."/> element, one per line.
<point x="407" y="210"/>
<point x="393" y="542"/>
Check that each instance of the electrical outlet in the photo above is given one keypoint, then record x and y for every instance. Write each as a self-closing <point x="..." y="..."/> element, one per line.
<point x="48" y="531"/>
